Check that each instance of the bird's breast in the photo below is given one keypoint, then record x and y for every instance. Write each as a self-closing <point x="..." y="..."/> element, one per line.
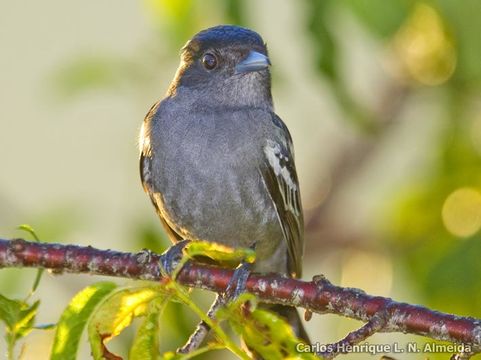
<point x="209" y="187"/>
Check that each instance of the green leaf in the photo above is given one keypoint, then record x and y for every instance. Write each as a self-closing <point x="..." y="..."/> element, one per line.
<point x="224" y="255"/>
<point x="116" y="313"/>
<point x="38" y="277"/>
<point x="36" y="282"/>
<point x="146" y="341"/>
<point x="29" y="229"/>
<point x="18" y="317"/>
<point x="220" y="253"/>
<point x="180" y="294"/>
<point x="263" y="331"/>
<point x="74" y="318"/>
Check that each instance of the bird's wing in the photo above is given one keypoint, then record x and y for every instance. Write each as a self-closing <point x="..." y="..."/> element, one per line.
<point x="146" y="170"/>
<point x="278" y="172"/>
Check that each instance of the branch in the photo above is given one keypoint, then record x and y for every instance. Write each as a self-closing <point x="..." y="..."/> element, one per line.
<point x="380" y="314"/>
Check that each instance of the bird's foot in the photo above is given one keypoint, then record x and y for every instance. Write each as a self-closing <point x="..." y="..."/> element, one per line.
<point x="172" y="260"/>
<point x="237" y="284"/>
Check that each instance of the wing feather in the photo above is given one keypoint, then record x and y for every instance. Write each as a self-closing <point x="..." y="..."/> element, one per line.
<point x="279" y="175"/>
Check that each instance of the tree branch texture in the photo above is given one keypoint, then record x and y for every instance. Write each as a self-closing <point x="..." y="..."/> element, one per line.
<point x="379" y="314"/>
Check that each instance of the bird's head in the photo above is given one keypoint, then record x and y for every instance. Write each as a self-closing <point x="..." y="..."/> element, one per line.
<point x="227" y="65"/>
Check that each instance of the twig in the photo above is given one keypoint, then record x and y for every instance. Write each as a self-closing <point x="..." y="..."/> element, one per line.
<point x="371" y="327"/>
<point x="202" y="329"/>
<point x="318" y="296"/>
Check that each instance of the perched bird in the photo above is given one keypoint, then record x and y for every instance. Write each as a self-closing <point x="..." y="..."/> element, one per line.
<point x="218" y="163"/>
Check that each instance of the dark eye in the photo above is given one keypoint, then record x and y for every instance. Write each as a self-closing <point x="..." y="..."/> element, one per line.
<point x="209" y="61"/>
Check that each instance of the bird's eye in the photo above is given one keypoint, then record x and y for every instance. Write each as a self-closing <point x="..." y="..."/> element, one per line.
<point x="209" y="61"/>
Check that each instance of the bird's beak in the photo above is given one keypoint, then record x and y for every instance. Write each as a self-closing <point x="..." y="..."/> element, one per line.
<point x="254" y="61"/>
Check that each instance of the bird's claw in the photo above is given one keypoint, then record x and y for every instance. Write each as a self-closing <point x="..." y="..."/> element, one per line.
<point x="237" y="284"/>
<point x="171" y="259"/>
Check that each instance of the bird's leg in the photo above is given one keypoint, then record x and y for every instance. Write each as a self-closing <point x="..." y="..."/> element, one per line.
<point x="202" y="329"/>
<point x="237" y="283"/>
<point x="171" y="259"/>
<point x="235" y="287"/>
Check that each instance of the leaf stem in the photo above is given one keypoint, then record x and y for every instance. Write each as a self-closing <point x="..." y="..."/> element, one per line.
<point x="222" y="336"/>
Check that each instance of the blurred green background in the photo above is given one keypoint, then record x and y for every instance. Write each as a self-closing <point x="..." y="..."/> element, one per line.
<point x="382" y="99"/>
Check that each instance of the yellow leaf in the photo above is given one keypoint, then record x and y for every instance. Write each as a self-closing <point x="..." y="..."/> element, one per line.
<point x="116" y="313"/>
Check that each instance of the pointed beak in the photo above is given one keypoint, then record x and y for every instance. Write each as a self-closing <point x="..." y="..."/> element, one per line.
<point x="254" y="61"/>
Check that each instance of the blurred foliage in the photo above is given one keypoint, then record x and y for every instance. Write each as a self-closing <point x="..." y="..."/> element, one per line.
<point x="381" y="18"/>
<point x="86" y="73"/>
<point x="425" y="48"/>
<point x="441" y="247"/>
<point x="434" y="44"/>
<point x="178" y="18"/>
<point x="149" y="236"/>
<point x="182" y="18"/>
<point x="462" y="18"/>
<point x="324" y="44"/>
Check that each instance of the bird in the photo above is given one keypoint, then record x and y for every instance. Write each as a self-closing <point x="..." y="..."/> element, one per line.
<point x="218" y="163"/>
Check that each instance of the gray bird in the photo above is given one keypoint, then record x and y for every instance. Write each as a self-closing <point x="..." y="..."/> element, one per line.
<point x="218" y="163"/>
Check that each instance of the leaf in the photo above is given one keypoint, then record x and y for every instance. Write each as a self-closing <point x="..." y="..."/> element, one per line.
<point x="29" y="229"/>
<point x="146" y="341"/>
<point x="116" y="313"/>
<point x="74" y="318"/>
<point x="219" y="252"/>
<point x="18" y="317"/>
<point x="36" y="282"/>
<point x="180" y="294"/>
<point x="263" y="331"/>
<point x="38" y="277"/>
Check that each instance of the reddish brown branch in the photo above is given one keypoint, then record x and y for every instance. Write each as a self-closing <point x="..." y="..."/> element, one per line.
<point x="320" y="296"/>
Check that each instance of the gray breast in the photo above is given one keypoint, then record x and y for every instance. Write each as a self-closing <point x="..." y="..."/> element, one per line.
<point x="205" y="171"/>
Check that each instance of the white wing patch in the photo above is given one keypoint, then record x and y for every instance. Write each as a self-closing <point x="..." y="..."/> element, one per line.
<point x="280" y="164"/>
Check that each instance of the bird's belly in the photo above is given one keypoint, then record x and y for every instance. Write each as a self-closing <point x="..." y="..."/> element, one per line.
<point x="232" y="210"/>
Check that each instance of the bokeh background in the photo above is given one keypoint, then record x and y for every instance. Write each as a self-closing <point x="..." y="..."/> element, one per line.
<point x="382" y="99"/>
